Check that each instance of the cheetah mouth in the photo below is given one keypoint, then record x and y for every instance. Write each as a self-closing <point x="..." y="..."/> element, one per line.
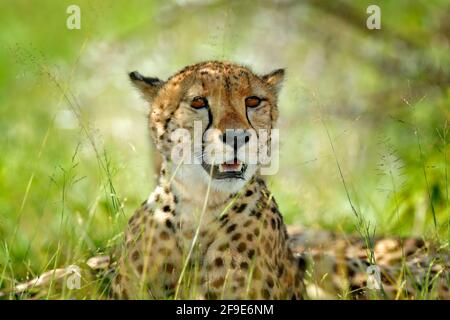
<point x="233" y="170"/>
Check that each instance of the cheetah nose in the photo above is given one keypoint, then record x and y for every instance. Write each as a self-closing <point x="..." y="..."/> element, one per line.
<point x="235" y="138"/>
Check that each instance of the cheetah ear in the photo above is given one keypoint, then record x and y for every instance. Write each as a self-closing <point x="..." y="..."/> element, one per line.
<point x="274" y="80"/>
<point x="147" y="86"/>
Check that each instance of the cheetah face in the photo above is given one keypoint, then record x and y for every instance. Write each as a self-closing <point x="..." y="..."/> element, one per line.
<point x="222" y="108"/>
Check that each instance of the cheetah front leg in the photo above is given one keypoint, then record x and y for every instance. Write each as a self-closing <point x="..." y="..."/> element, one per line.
<point x="248" y="263"/>
<point x="150" y="262"/>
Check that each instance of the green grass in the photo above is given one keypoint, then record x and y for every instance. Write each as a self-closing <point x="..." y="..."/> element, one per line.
<point x="76" y="159"/>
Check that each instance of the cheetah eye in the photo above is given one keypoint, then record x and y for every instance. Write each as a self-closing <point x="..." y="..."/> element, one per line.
<point x="199" y="103"/>
<point x="252" y="102"/>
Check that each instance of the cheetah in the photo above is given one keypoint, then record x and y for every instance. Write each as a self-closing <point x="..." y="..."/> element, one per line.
<point x="211" y="229"/>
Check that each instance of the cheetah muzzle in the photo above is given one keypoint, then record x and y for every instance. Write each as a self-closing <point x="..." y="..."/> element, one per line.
<point x="235" y="170"/>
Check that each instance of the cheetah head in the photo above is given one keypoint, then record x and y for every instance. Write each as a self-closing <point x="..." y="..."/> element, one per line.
<point x="221" y="108"/>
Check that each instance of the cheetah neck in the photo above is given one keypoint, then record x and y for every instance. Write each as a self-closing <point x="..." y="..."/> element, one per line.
<point x="195" y="198"/>
<point x="192" y="189"/>
<point x="197" y="194"/>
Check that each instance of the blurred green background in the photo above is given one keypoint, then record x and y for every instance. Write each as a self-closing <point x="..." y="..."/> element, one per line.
<point x="76" y="158"/>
